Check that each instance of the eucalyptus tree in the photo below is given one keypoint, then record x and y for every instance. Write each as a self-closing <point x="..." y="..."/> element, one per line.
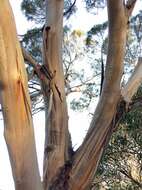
<point x="63" y="168"/>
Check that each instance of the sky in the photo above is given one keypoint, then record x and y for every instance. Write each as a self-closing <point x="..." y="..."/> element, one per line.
<point x="78" y="122"/>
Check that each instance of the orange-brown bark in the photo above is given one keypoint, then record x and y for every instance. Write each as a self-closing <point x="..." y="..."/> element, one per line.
<point x="18" y="127"/>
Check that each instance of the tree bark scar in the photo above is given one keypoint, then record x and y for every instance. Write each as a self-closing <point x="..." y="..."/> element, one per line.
<point x="59" y="93"/>
<point x="26" y="103"/>
<point x="46" y="29"/>
<point x="17" y="62"/>
<point x="47" y="73"/>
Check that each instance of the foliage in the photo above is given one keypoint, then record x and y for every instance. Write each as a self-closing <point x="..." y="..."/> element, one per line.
<point x="34" y="10"/>
<point x="95" y="30"/>
<point x="91" y="4"/>
<point x="69" y="8"/>
<point x="75" y="51"/>
<point x="121" y="166"/>
<point x="32" y="42"/>
<point x="77" y="79"/>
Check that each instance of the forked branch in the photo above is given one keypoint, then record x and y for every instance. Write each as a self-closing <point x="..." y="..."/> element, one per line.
<point x="130" y="6"/>
<point x="87" y="157"/>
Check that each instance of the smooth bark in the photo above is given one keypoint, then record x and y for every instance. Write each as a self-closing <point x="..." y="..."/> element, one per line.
<point x="18" y="126"/>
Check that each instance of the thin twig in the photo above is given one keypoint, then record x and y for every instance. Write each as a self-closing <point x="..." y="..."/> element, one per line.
<point x="70" y="8"/>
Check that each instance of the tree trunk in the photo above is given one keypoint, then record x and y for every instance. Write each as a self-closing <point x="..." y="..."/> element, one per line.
<point x="79" y="174"/>
<point x="18" y="126"/>
<point x="62" y="170"/>
<point x="89" y="154"/>
<point x="56" y="130"/>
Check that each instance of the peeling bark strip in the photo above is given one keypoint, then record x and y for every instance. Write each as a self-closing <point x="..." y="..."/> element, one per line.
<point x="18" y="131"/>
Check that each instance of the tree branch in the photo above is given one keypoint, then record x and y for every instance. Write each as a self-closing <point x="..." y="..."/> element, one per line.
<point x="40" y="70"/>
<point x="133" y="83"/>
<point x="29" y="58"/>
<point x="130" y="177"/>
<point x="87" y="157"/>
<point x="70" y="8"/>
<point x="130" y="6"/>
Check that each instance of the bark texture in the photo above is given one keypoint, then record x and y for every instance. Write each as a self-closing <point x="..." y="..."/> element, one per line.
<point x="62" y="170"/>
<point x="56" y="130"/>
<point x="88" y="155"/>
<point x="18" y="127"/>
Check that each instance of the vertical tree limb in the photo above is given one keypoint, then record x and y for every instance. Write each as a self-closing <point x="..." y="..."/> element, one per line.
<point x="88" y="155"/>
<point x="56" y="129"/>
<point x="18" y="126"/>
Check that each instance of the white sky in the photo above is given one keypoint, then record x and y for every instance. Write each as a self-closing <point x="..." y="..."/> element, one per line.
<point x="78" y="122"/>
